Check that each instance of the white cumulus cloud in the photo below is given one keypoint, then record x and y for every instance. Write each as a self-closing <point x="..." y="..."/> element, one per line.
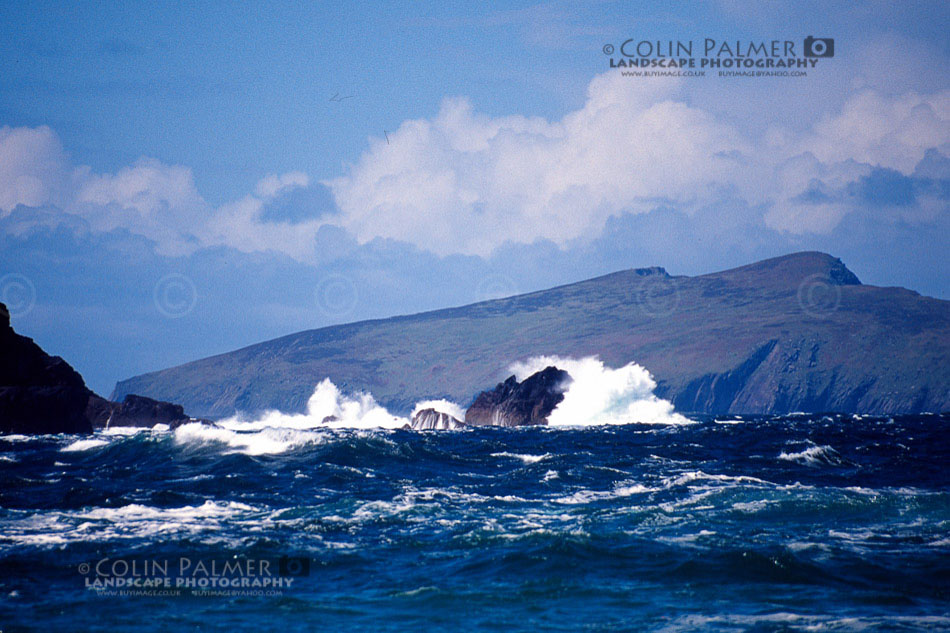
<point x="466" y="182"/>
<point x="34" y="169"/>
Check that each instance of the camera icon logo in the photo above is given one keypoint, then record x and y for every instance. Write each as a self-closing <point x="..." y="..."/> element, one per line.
<point x="292" y="566"/>
<point x="819" y="47"/>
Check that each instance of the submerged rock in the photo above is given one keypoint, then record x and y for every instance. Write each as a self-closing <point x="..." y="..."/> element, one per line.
<point x="514" y="403"/>
<point x="430" y="419"/>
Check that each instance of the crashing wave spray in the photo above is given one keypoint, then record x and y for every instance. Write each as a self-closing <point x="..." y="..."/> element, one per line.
<point x="276" y="432"/>
<point x="326" y="408"/>
<point x="598" y="395"/>
<point x="601" y="395"/>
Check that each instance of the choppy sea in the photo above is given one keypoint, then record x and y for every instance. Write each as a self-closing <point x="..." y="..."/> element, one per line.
<point x="793" y="523"/>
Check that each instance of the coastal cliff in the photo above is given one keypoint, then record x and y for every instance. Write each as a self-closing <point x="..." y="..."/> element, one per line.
<point x="42" y="394"/>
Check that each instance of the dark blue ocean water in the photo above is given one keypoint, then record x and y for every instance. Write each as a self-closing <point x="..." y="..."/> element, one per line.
<point x="795" y="523"/>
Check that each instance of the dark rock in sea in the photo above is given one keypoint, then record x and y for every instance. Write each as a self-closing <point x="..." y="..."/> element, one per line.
<point x="514" y="403"/>
<point x="137" y="411"/>
<point x="42" y="394"/>
<point x="430" y="419"/>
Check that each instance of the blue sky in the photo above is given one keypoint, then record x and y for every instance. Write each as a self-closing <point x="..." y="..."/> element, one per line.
<point x="181" y="179"/>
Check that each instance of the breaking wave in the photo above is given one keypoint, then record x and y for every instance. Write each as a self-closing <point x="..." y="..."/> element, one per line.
<point x="600" y="395"/>
<point x="326" y="408"/>
<point x="83" y="445"/>
<point x="813" y="455"/>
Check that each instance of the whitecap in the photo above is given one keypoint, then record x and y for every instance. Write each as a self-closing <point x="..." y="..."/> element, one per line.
<point x="16" y="437"/>
<point x="125" y="522"/>
<point x="698" y="475"/>
<point x="588" y="496"/>
<point x="814" y="455"/>
<point x="124" y="430"/>
<point x="84" y="445"/>
<point x="137" y="512"/>
<point x="686" y="538"/>
<point x="527" y="459"/>
<point x="267" y="441"/>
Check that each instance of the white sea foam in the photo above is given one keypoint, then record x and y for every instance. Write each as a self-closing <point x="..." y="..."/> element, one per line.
<point x="84" y="445"/>
<point x="277" y="432"/>
<point x="686" y="538"/>
<point x="587" y="496"/>
<point x="752" y="507"/>
<point x="326" y="408"/>
<point x="601" y="395"/>
<point x="125" y="522"/>
<point x="805" y="622"/>
<point x="527" y="459"/>
<point x="16" y="437"/>
<point x="137" y="512"/>
<point x="814" y="455"/>
<point x="125" y="430"/>
<point x="266" y="441"/>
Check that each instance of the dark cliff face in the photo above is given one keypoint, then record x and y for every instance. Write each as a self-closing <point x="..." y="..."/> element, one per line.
<point x="42" y="394"/>
<point x="39" y="393"/>
<point x="793" y="333"/>
<point x="514" y="403"/>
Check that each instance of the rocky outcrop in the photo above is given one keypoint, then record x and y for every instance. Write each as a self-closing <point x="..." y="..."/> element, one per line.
<point x="431" y="420"/>
<point x="136" y="411"/>
<point x="42" y="394"/>
<point x="514" y="403"/>
<point x="39" y="393"/>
